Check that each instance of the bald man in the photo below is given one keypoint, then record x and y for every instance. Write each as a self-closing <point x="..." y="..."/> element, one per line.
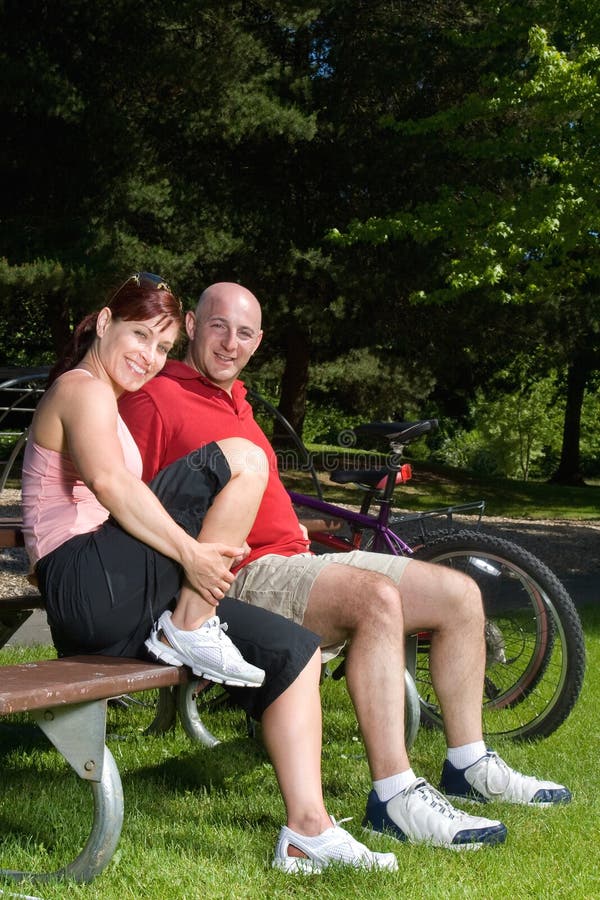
<point x="367" y="601"/>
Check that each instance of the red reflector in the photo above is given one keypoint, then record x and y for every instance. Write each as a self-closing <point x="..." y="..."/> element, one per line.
<point x="405" y="474"/>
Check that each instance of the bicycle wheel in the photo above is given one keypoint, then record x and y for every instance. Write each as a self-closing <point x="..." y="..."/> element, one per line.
<point x="534" y="639"/>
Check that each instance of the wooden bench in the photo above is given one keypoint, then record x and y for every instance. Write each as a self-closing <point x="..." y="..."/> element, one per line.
<point x="14" y="611"/>
<point x="67" y="698"/>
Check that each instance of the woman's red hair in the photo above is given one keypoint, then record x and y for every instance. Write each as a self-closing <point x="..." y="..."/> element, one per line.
<point x="141" y="297"/>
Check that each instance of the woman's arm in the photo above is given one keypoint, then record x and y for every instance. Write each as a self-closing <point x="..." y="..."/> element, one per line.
<point x="87" y="411"/>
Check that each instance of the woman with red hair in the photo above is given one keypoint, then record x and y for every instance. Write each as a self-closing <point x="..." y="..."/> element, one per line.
<point x="127" y="569"/>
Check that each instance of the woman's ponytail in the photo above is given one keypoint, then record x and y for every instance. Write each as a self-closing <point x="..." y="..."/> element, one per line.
<point x="78" y="345"/>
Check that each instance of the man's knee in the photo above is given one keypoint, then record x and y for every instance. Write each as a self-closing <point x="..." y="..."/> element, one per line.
<point x="346" y="601"/>
<point x="467" y="604"/>
<point x="375" y="598"/>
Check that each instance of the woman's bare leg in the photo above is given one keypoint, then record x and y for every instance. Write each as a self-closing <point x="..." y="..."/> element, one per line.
<point x="292" y="733"/>
<point x="232" y="514"/>
<point x="228" y="521"/>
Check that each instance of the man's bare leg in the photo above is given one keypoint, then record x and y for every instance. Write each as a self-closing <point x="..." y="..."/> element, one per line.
<point x="374" y="614"/>
<point x="365" y="608"/>
<point x="449" y="604"/>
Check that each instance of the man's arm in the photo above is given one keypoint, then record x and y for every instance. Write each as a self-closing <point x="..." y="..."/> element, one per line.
<point x="141" y="416"/>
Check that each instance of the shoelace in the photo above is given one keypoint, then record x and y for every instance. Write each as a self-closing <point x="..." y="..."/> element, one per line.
<point x="337" y="822"/>
<point x="215" y="624"/>
<point x="494" y="758"/>
<point x="434" y="799"/>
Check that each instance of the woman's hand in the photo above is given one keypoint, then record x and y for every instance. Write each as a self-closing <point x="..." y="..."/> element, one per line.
<point x="207" y="568"/>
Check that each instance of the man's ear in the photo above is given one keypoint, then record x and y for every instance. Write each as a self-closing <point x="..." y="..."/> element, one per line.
<point x="190" y="324"/>
<point x="103" y="321"/>
<point x="259" y="338"/>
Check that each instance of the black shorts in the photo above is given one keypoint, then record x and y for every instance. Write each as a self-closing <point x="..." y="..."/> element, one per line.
<point x="104" y="590"/>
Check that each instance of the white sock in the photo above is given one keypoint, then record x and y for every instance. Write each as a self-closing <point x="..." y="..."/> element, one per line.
<point x="464" y="756"/>
<point x="386" y="788"/>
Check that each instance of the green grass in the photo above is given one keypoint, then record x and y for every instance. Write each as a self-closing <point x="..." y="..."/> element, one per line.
<point x="203" y="823"/>
<point x="434" y="486"/>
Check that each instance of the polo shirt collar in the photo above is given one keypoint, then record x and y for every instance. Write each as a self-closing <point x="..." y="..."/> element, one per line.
<point x="182" y="372"/>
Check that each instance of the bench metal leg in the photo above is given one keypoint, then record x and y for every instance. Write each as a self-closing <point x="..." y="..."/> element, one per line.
<point x="166" y="712"/>
<point x="10" y="622"/>
<point x="412" y="710"/>
<point x="78" y="733"/>
<point x="189" y="715"/>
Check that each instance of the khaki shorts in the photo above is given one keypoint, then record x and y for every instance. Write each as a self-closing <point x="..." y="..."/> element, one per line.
<point x="282" y="584"/>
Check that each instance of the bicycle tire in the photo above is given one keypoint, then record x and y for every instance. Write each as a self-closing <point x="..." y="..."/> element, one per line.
<point x="534" y="678"/>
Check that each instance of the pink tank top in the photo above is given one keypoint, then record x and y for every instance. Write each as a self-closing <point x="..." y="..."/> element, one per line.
<point x="56" y="503"/>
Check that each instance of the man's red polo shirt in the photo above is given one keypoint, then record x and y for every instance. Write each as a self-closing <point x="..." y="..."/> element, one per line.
<point x="179" y="411"/>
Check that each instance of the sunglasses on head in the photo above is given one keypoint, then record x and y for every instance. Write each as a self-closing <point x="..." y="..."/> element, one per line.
<point x="147" y="279"/>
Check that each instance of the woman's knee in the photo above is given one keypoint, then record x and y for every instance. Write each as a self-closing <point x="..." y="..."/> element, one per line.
<point x="244" y="457"/>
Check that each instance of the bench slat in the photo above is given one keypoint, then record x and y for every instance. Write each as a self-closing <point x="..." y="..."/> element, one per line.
<point x="25" y="601"/>
<point x="76" y="679"/>
<point x="11" y="534"/>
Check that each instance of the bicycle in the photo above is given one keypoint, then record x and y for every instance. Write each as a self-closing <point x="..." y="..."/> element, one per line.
<point x="534" y="638"/>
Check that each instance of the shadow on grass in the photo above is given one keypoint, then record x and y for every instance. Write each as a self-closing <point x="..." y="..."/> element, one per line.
<point x="206" y="769"/>
<point x="590" y="618"/>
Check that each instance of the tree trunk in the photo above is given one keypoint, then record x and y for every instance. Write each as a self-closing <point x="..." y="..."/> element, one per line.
<point x="569" y="469"/>
<point x="59" y="310"/>
<point x="294" y="383"/>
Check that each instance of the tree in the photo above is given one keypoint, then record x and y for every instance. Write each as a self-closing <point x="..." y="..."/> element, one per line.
<point x="125" y="123"/>
<point x="519" y="227"/>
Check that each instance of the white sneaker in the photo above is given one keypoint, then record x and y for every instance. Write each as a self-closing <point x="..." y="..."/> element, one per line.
<point x="420" y="814"/>
<point x="207" y="651"/>
<point x="334" y="846"/>
<point x="491" y="779"/>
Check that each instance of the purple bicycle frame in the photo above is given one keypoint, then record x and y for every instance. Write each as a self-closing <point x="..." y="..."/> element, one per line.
<point x="384" y="538"/>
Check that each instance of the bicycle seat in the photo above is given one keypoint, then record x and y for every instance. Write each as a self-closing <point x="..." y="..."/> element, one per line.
<point x="373" y="478"/>
<point x="370" y="477"/>
<point x="402" y="432"/>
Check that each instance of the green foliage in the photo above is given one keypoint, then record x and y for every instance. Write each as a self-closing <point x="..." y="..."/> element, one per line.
<point x="518" y="435"/>
<point x="524" y="236"/>
<point x="140" y="111"/>
<point x="226" y="140"/>
<point x="590" y="435"/>
<point x="510" y="434"/>
<point x="513" y="218"/>
<point x="202" y="822"/>
<point x="371" y="383"/>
